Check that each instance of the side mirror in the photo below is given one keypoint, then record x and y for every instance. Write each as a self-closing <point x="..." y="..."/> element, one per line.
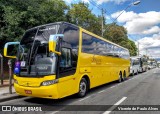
<point x="10" y="49"/>
<point x="53" y="42"/>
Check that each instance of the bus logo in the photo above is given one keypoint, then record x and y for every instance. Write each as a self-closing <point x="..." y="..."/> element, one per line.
<point x="96" y="60"/>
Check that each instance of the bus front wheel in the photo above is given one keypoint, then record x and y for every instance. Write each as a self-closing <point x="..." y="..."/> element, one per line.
<point x="82" y="88"/>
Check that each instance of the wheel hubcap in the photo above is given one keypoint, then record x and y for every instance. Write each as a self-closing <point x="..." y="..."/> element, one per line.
<point x="83" y="87"/>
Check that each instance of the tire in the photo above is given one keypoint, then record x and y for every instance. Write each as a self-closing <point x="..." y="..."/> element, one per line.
<point x="137" y="72"/>
<point x="124" y="76"/>
<point x="120" y="78"/>
<point x="83" y="87"/>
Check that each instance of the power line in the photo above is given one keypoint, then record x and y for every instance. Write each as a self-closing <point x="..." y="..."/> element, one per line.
<point x="103" y="11"/>
<point x="100" y="8"/>
<point x="95" y="4"/>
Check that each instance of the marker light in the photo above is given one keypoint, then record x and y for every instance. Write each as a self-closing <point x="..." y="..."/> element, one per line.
<point x="17" y="67"/>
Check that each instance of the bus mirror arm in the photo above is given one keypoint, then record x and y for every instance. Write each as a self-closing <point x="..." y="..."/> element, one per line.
<point x="53" y="41"/>
<point x="56" y="52"/>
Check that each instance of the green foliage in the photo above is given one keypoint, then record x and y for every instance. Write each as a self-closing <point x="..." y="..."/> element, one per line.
<point x="118" y="35"/>
<point x="81" y="15"/>
<point x="19" y="15"/>
<point x="130" y="45"/>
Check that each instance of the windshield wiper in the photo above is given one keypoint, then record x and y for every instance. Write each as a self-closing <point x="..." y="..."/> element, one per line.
<point x="31" y="51"/>
<point x="44" y="37"/>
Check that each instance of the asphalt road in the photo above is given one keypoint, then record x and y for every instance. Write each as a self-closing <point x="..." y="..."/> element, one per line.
<point x="141" y="89"/>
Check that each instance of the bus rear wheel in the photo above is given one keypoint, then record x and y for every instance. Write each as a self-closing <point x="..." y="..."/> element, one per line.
<point x="124" y="76"/>
<point x="120" y="78"/>
<point x="82" y="88"/>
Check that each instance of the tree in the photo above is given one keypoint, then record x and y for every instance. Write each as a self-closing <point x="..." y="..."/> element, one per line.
<point x="118" y="35"/>
<point x="19" y="15"/>
<point x="81" y="15"/>
<point x="130" y="45"/>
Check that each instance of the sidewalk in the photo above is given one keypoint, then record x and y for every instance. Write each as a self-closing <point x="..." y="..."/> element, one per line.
<point x="4" y="92"/>
<point x="5" y="83"/>
<point x="4" y="89"/>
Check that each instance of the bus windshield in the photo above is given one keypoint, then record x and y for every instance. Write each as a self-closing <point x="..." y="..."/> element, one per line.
<point x="34" y="54"/>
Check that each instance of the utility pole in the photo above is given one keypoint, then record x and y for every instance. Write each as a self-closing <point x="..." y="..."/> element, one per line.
<point x="1" y="68"/>
<point x="138" y="48"/>
<point x="10" y="75"/>
<point x="102" y="21"/>
<point x="146" y="51"/>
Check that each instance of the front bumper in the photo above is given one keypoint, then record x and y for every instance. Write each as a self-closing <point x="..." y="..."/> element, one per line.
<point x="41" y="92"/>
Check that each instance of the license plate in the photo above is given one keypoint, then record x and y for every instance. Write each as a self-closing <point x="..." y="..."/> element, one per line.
<point x="28" y="91"/>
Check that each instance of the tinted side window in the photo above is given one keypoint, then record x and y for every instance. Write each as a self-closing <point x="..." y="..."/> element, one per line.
<point x="71" y="36"/>
<point x="93" y="45"/>
<point x="88" y="44"/>
<point x="71" y="40"/>
<point x="65" y="58"/>
<point x="69" y="50"/>
<point x="125" y="54"/>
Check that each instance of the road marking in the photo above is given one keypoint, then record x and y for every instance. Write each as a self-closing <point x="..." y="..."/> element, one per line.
<point x="101" y="91"/>
<point x="123" y="82"/>
<point x="120" y="101"/>
<point x="119" y="83"/>
<point x="57" y="111"/>
<point x="133" y="78"/>
<point x="113" y="107"/>
<point x="84" y="98"/>
<point x="54" y="112"/>
<point x="113" y="86"/>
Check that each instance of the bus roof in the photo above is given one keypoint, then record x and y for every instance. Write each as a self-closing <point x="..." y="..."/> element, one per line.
<point x="62" y="22"/>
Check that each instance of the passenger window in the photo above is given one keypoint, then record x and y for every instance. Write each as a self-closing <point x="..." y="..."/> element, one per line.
<point x="65" y="58"/>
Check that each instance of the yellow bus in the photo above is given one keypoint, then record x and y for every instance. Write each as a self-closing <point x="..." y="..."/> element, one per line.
<point x="60" y="59"/>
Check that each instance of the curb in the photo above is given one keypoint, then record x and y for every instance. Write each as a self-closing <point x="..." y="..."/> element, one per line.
<point x="10" y="97"/>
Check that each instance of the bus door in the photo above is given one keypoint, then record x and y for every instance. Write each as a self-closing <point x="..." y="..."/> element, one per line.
<point x="66" y="85"/>
<point x="68" y="61"/>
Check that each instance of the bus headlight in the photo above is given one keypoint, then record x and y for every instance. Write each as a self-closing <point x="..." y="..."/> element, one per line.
<point x="15" y="81"/>
<point x="49" y="82"/>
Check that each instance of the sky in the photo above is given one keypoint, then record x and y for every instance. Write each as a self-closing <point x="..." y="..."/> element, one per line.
<point x="142" y="21"/>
